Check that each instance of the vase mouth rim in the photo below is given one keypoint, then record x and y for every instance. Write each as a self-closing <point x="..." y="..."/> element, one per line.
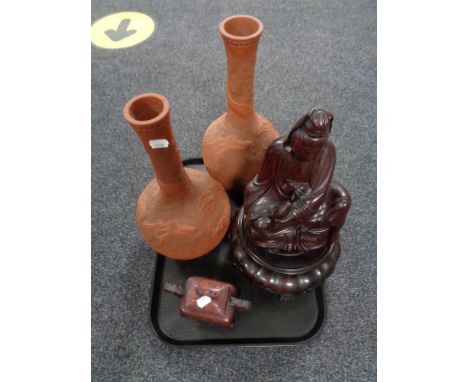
<point x="146" y="109"/>
<point x="251" y="26"/>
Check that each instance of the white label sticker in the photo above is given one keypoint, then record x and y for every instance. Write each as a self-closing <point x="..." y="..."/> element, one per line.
<point x="159" y="143"/>
<point x="203" y="301"/>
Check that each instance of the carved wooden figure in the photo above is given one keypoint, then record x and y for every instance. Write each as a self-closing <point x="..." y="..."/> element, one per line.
<point x="285" y="237"/>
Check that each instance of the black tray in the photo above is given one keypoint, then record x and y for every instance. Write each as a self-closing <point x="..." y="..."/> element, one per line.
<point x="270" y="322"/>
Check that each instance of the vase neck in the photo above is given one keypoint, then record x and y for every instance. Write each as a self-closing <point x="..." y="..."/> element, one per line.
<point x="167" y="164"/>
<point x="150" y="118"/>
<point x="241" y="58"/>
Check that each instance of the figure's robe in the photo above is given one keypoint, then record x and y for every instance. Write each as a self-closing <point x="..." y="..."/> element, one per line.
<point x="289" y="206"/>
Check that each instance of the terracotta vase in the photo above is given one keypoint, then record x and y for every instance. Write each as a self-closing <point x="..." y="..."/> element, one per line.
<point x="235" y="143"/>
<point x="183" y="213"/>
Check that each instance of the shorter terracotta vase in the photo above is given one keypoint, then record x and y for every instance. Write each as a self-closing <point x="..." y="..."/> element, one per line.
<point x="235" y="143"/>
<point x="183" y="213"/>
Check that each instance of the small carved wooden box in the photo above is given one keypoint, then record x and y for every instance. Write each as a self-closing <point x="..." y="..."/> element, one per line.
<point x="208" y="300"/>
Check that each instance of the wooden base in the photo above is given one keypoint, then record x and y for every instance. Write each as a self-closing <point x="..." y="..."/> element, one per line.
<point x="280" y="279"/>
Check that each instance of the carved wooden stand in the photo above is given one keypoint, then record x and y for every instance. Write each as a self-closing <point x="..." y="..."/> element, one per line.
<point x="276" y="279"/>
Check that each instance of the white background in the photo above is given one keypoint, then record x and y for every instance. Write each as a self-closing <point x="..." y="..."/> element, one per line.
<point x="422" y="184"/>
<point x="45" y="140"/>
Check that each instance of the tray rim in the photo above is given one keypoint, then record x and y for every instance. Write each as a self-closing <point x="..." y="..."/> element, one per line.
<point x="254" y="342"/>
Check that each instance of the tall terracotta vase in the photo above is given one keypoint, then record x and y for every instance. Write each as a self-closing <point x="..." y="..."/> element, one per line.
<point x="183" y="213"/>
<point x="234" y="144"/>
